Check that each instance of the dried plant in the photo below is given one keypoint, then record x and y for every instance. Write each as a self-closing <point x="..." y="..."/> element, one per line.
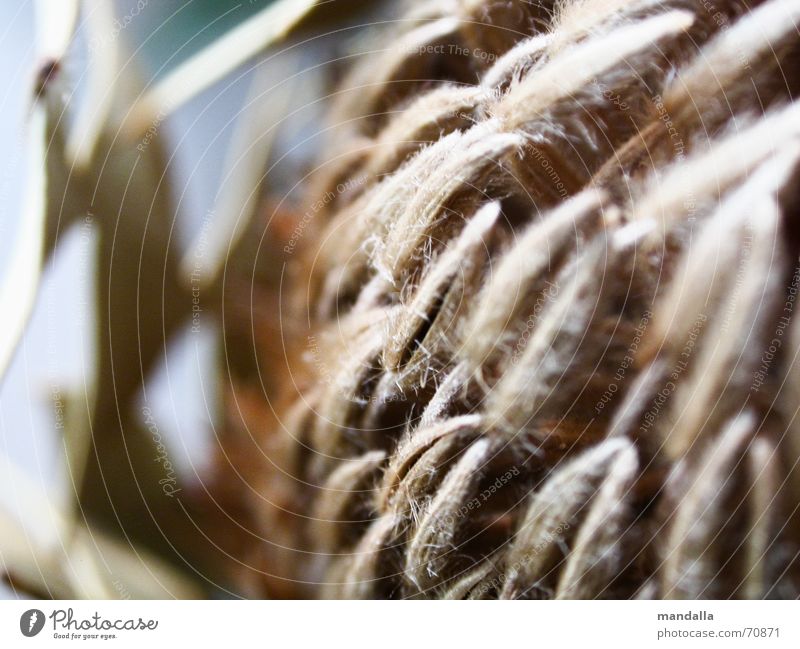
<point x="546" y="307"/>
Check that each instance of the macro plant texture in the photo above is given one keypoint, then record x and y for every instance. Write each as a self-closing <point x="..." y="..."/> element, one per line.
<point x="509" y="314"/>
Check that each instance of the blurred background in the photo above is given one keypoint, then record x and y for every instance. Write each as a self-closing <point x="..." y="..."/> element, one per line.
<point x="56" y="359"/>
<point x="54" y="348"/>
